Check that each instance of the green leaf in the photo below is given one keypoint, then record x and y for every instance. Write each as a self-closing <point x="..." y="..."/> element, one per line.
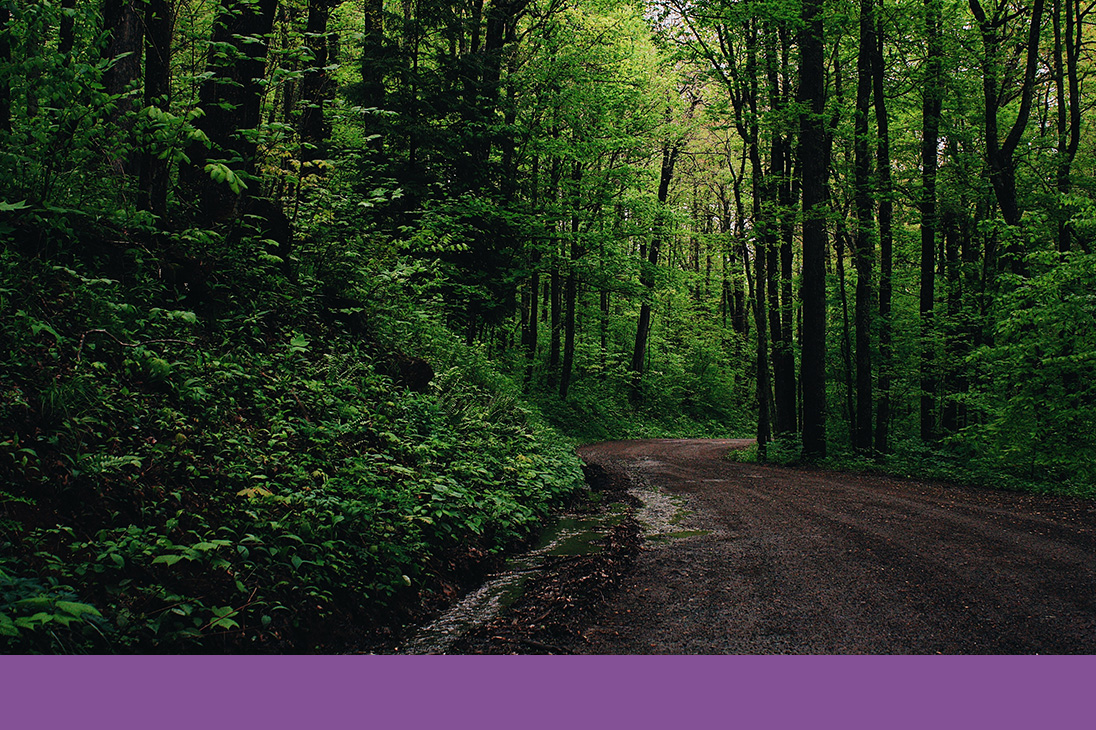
<point x="78" y="609"/>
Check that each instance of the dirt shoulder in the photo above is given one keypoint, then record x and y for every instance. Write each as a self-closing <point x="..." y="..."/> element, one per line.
<point x="761" y="559"/>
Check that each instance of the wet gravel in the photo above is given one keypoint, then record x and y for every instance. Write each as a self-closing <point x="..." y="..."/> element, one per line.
<point x="740" y="558"/>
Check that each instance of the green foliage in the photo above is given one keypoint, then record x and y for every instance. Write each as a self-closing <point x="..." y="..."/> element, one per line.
<point x="1036" y="382"/>
<point x="247" y="481"/>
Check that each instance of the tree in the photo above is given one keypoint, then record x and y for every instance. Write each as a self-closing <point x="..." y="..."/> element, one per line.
<point x="1001" y="154"/>
<point x="231" y="103"/>
<point x="154" y="170"/>
<point x="886" y="214"/>
<point x="865" y="233"/>
<point x="813" y="166"/>
<point x="932" y="100"/>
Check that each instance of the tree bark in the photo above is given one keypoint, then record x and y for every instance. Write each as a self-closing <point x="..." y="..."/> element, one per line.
<point x="813" y="166"/>
<point x="1067" y="89"/>
<point x="153" y="176"/>
<point x="865" y="239"/>
<point x="670" y="152"/>
<point x="317" y="87"/>
<point x="571" y="291"/>
<point x="932" y="101"/>
<point x="886" y="216"/>
<point x="124" y="24"/>
<point x="231" y="99"/>
<point x="373" y="55"/>
<point x="1001" y="154"/>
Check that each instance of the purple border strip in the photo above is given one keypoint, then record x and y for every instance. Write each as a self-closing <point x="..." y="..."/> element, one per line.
<point x="560" y="693"/>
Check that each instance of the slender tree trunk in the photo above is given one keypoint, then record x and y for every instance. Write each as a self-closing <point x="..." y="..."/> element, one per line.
<point x="781" y="397"/>
<point x="750" y="295"/>
<point x="555" y="298"/>
<point x="949" y="415"/>
<point x="557" y="322"/>
<point x="813" y="166"/>
<point x="1001" y="155"/>
<point x="571" y="292"/>
<point x="605" y="312"/>
<point x="317" y="86"/>
<point x="231" y="99"/>
<point x="932" y="101"/>
<point x="865" y="229"/>
<point x="570" y="295"/>
<point x="373" y="55"/>
<point x="531" y="333"/>
<point x="670" y="151"/>
<point x="886" y="215"/>
<point x="846" y="338"/>
<point x="1068" y="92"/>
<point x="123" y="23"/>
<point x="153" y="178"/>
<point x="778" y="233"/>
<point x="764" y="398"/>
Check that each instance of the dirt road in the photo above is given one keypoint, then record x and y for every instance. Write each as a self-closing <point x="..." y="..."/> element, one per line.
<point x="777" y="560"/>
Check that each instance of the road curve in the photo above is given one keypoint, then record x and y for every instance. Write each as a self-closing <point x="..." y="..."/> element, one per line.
<point x="782" y="560"/>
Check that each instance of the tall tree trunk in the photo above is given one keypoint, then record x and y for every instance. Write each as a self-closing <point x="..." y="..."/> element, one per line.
<point x="764" y="397"/>
<point x="571" y="292"/>
<point x="231" y="99"/>
<point x="530" y="334"/>
<point x="1001" y="154"/>
<point x="886" y="216"/>
<point x="932" y="101"/>
<point x="953" y="346"/>
<point x="670" y="152"/>
<point x="1068" y="93"/>
<point x="123" y="23"/>
<point x="605" y="312"/>
<point x="317" y="87"/>
<point x="780" y="234"/>
<point x="556" y="323"/>
<point x="153" y="177"/>
<point x="846" y="339"/>
<point x="373" y="55"/>
<point x="555" y="287"/>
<point x="865" y="239"/>
<point x="813" y="166"/>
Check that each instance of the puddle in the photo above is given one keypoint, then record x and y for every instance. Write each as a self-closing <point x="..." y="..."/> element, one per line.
<point x="570" y="535"/>
<point x="660" y="516"/>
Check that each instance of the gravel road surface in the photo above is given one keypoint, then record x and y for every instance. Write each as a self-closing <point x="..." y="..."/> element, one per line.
<point x="764" y="559"/>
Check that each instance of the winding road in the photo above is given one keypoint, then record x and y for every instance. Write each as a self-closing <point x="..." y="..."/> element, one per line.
<point x="769" y="559"/>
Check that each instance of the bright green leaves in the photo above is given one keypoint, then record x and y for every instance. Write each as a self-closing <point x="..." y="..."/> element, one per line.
<point x="222" y="173"/>
<point x="1037" y="380"/>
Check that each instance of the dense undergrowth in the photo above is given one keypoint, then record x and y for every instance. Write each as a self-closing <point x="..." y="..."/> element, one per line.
<point x="290" y="470"/>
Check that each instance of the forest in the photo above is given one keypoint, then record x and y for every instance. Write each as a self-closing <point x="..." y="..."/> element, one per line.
<point x="306" y="303"/>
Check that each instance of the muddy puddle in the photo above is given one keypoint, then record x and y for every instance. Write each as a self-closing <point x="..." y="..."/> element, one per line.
<point x="660" y="516"/>
<point x="570" y="535"/>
